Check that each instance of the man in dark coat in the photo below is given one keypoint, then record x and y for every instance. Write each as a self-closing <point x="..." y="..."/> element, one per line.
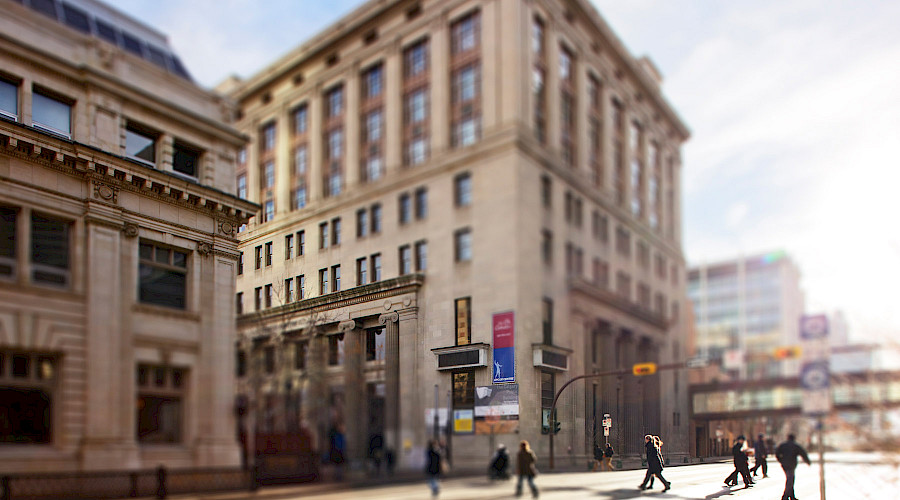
<point x="760" y="451"/>
<point x="598" y="457"/>
<point x="741" y="465"/>
<point x="433" y="467"/>
<point x="787" y="453"/>
<point x="654" y="464"/>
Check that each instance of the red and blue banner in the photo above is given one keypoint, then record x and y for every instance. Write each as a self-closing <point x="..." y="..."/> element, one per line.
<point x="504" y="366"/>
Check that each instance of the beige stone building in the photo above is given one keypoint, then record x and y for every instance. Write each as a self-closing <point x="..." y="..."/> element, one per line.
<point x="436" y="176"/>
<point x="117" y="247"/>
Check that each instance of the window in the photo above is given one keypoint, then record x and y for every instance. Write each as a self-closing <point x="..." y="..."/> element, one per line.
<point x="421" y="203"/>
<point x="464" y="33"/>
<point x="362" y="223"/>
<point x="547" y="320"/>
<point x="376" y="218"/>
<point x="623" y="285"/>
<point x="659" y="304"/>
<point x="240" y="364"/>
<point x="336" y="231"/>
<point x="269" y="359"/>
<point x="547" y="246"/>
<point x="336" y="278"/>
<point x="51" y="114"/>
<point x="185" y="160"/>
<point x="421" y="256"/>
<point x="463" y="245"/>
<point x="323" y="235"/>
<point x="268" y="254"/>
<point x="140" y="144"/>
<point x="289" y="290"/>
<point x="362" y="271"/>
<point x="159" y="403"/>
<point x="300" y="352"/>
<point x="600" y="225"/>
<point x="372" y="130"/>
<point x="240" y="269"/>
<point x="323" y="281"/>
<point x="372" y="82"/>
<point x="288" y="246"/>
<point x="301" y="287"/>
<point x="644" y="296"/>
<point x="239" y="302"/>
<point x="268" y="295"/>
<point x="546" y="192"/>
<point x="623" y="241"/>
<point x="404" y="210"/>
<point x="27" y="386"/>
<point x="301" y="160"/>
<point x="463" y="392"/>
<point x="268" y="137"/>
<point x="577" y="211"/>
<point x="463" y="321"/>
<point x="298" y="200"/>
<point x="257" y="298"/>
<point x="568" y="106"/>
<point x="375" y="344"/>
<point x="376" y="267"/>
<point x="335" y="101"/>
<point x="405" y="259"/>
<point x="269" y="213"/>
<point x="49" y="249"/>
<point x="242" y="186"/>
<point x="537" y="81"/>
<point x="9" y="99"/>
<point x="415" y="59"/>
<point x="163" y="276"/>
<point x="301" y="119"/>
<point x="463" y="189"/>
<point x="601" y="273"/>
<point x="258" y="256"/>
<point x="415" y="115"/>
<point x="465" y="81"/>
<point x="548" y="389"/>
<point x="336" y="350"/>
<point x="301" y="243"/>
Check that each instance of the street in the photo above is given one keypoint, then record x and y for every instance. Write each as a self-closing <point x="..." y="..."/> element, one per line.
<point x="848" y="476"/>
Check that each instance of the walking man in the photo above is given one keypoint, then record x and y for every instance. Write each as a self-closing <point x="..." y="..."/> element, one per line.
<point x="526" y="468"/>
<point x="740" y="464"/>
<point x="598" y="457"/>
<point x="654" y="463"/>
<point x="760" y="451"/>
<point x="787" y="453"/>
<point x="433" y="467"/>
<point x="607" y="457"/>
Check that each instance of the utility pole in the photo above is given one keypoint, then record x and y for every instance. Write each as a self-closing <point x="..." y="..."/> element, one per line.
<point x="821" y="424"/>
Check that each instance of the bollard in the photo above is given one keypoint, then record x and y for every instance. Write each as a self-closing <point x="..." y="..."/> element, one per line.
<point x="5" y="494"/>
<point x="161" y="482"/>
<point x="133" y="476"/>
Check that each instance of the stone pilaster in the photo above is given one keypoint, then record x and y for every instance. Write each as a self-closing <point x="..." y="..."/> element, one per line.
<point x="390" y="321"/>
<point x="354" y="394"/>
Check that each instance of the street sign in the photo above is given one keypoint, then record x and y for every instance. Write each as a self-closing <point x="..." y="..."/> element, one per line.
<point x="640" y="369"/>
<point x="698" y="362"/>
<point x="606" y="431"/>
<point x="814" y="327"/>
<point x="815" y="376"/>
<point x="733" y="359"/>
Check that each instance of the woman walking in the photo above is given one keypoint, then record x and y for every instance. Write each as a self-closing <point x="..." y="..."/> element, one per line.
<point x="654" y="462"/>
<point x="525" y="467"/>
<point x="433" y="467"/>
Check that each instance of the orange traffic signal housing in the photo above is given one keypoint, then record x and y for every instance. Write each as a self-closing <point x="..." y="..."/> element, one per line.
<point x="644" y="369"/>
<point x="789" y="352"/>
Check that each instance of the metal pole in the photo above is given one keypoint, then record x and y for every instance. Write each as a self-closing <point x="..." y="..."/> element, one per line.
<point x="449" y="428"/>
<point x="821" y="460"/>
<point x="434" y="432"/>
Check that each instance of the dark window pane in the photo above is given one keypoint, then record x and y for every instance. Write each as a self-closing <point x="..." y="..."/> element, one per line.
<point x="49" y="249"/>
<point x="162" y="287"/>
<point x="179" y="68"/>
<point x="185" y="160"/>
<point x="156" y="56"/>
<point x="106" y="32"/>
<point x="177" y="378"/>
<point x="132" y="44"/>
<point x="140" y="145"/>
<point x="159" y="376"/>
<point x="46" y="7"/>
<point x="159" y="420"/>
<point x="162" y="255"/>
<point x="142" y="375"/>
<point x="26" y="415"/>
<point x="146" y="251"/>
<point x="179" y="259"/>
<point x="21" y="366"/>
<point x="8" y="232"/>
<point x="76" y="18"/>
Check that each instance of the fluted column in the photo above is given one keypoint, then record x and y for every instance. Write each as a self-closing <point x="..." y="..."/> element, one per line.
<point x="633" y="397"/>
<point x="354" y="393"/>
<point x="392" y="378"/>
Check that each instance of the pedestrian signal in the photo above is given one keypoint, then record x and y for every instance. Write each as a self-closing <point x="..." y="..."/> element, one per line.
<point x="644" y="369"/>
<point x="790" y="352"/>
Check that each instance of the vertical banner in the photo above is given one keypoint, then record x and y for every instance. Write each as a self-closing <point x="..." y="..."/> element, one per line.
<point x="815" y="372"/>
<point x="463" y="322"/>
<point x="504" y="367"/>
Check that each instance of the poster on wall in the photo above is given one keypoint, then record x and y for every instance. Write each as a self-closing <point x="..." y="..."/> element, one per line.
<point x="462" y="421"/>
<point x="497" y="409"/>
<point x="504" y="366"/>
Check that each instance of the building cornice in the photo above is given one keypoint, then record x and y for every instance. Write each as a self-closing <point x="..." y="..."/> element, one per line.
<point x="578" y="285"/>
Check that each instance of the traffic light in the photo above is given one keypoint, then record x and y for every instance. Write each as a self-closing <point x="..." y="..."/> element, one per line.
<point x="545" y="429"/>
<point x="556" y="427"/>
<point x="789" y="352"/>
<point x="643" y="369"/>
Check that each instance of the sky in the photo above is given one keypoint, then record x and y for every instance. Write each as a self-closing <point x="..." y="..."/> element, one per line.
<point x="794" y="109"/>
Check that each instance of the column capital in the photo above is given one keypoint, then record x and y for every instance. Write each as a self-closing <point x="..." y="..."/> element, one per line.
<point x="389" y="317"/>
<point x="408" y="313"/>
<point x="346" y="326"/>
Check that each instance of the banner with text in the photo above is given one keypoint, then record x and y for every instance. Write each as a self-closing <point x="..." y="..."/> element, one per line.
<point x="504" y="369"/>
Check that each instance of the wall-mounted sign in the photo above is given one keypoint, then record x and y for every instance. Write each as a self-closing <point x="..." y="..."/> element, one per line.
<point x="463" y="321"/>
<point x="463" y="421"/>
<point x="504" y="366"/>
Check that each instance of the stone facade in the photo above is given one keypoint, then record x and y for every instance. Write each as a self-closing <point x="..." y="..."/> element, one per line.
<point x="559" y="202"/>
<point x="117" y="266"/>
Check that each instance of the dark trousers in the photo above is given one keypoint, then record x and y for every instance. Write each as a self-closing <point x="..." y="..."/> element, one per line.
<point x="761" y="462"/>
<point x="649" y="477"/>
<point x="743" y="471"/>
<point x="788" y="484"/>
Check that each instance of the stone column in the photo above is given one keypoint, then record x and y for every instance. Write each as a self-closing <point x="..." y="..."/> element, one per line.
<point x="316" y="172"/>
<point x="439" y="99"/>
<point x="354" y="395"/>
<point x="352" y="127"/>
<point x="633" y="395"/>
<point x="392" y="379"/>
<point x="284" y="160"/>
<point x="551" y="84"/>
<point x="393" y="108"/>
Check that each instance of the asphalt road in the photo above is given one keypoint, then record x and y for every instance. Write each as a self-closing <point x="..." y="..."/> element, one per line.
<point x="850" y="476"/>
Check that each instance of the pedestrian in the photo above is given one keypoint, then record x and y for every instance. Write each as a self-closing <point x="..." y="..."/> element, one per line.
<point x="433" y="467"/>
<point x="741" y="465"/>
<point x="607" y="456"/>
<point x="500" y="464"/>
<point x="654" y="462"/>
<point x="526" y="468"/>
<point x="336" y="451"/>
<point x="598" y="457"/>
<point x="760" y="451"/>
<point x="787" y="453"/>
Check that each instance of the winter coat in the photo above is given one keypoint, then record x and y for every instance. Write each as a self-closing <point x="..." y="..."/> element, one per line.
<point x="759" y="449"/>
<point x="608" y="452"/>
<point x="432" y="462"/>
<point x="525" y="463"/>
<point x="598" y="453"/>
<point x="654" y="459"/>
<point x="740" y="458"/>
<point x="787" y="453"/>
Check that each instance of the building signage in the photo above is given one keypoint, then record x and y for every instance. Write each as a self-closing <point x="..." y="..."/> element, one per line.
<point x="463" y="421"/>
<point x="504" y="367"/>
<point x="497" y="409"/>
<point x="815" y="372"/>
<point x="463" y="317"/>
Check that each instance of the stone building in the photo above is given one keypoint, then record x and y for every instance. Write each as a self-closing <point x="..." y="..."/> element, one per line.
<point x="462" y="198"/>
<point x="117" y="247"/>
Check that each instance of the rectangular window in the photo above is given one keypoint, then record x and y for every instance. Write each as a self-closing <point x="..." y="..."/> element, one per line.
<point x="362" y="223"/>
<point x="288" y="246"/>
<point x="463" y="245"/>
<point x="546" y="192"/>
<point x="465" y="81"/>
<point x="463" y="392"/>
<point x="404" y="208"/>
<point x="242" y="186"/>
<point x="301" y="119"/>
<point x="240" y="269"/>
<point x="538" y="79"/>
<point x="186" y="159"/>
<point x="547" y="246"/>
<point x="462" y="185"/>
<point x="335" y="102"/>
<point x="300" y="350"/>
<point x="301" y="243"/>
<point x="160" y="391"/>
<point x="421" y="203"/>
<point x="415" y="104"/>
<point x="405" y="260"/>
<point x="601" y="273"/>
<point x="268" y="295"/>
<point x="140" y="143"/>
<point x="421" y="256"/>
<point x="268" y="137"/>
<point x="50" y="250"/>
<point x="336" y="278"/>
<point x="289" y="290"/>
<point x="465" y="34"/>
<point x="375" y="344"/>
<point x="323" y="235"/>
<point x="548" y="389"/>
<point x="9" y="99"/>
<point x="27" y="383"/>
<point x="463" y="321"/>
<point x="362" y="271"/>
<point x="336" y="231"/>
<point x="268" y="254"/>
<point x="257" y="298"/>
<point x="372" y="82"/>
<point x="51" y="114"/>
<point x="376" y="218"/>
<point x="644" y="296"/>
<point x="547" y="320"/>
<point x="163" y="276"/>
<point x="269" y="359"/>
<point x="623" y="285"/>
<point x="323" y="281"/>
<point x="376" y="267"/>
<point x="336" y="350"/>
<point x="269" y="211"/>
<point x="301" y="287"/>
<point x="240" y="364"/>
<point x="623" y="241"/>
<point x="415" y="59"/>
<point x="258" y="256"/>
